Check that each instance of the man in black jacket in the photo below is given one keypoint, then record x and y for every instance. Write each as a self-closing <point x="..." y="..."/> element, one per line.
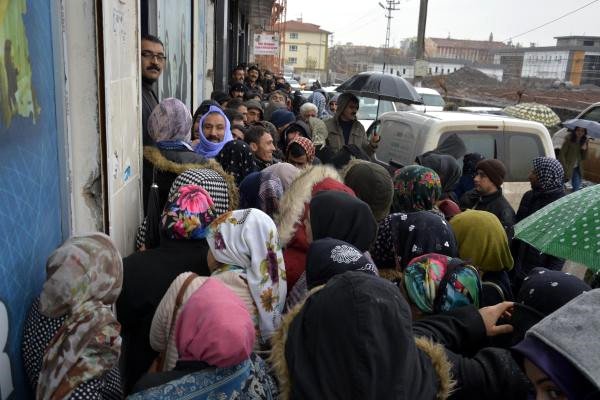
<point x="487" y="194"/>
<point x="153" y="62"/>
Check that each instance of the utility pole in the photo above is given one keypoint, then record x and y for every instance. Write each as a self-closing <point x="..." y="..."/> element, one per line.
<point x="391" y="6"/>
<point x="420" y="63"/>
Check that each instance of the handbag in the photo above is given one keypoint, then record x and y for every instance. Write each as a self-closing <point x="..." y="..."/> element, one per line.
<point x="159" y="362"/>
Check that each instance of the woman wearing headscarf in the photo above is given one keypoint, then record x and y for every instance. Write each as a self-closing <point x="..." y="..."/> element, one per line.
<point x="547" y="186"/>
<point x="293" y="209"/>
<point x="237" y="159"/>
<point x="247" y="242"/>
<point x="447" y="169"/>
<point x="71" y="343"/>
<point x="559" y="354"/>
<point x="300" y="152"/>
<point x="416" y="188"/>
<point x="169" y="126"/>
<point x="483" y="243"/>
<point x="214" y="337"/>
<point x="215" y="132"/>
<point x="148" y="274"/>
<point x="353" y="338"/>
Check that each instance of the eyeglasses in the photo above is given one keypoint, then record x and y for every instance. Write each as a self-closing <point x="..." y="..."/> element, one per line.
<point x="151" y="56"/>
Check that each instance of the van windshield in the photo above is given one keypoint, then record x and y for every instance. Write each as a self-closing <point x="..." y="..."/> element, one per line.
<point x="433" y="100"/>
<point x="367" y="108"/>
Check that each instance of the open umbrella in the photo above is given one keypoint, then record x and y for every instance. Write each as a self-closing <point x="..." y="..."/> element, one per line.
<point x="533" y="112"/>
<point x="381" y="86"/>
<point x="567" y="228"/>
<point x="592" y="127"/>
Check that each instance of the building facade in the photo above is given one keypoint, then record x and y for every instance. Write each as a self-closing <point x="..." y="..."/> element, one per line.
<point x="304" y="47"/>
<point x="476" y="51"/>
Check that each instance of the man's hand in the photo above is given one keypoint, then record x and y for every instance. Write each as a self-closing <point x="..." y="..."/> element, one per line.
<point x="375" y="138"/>
<point x="491" y="314"/>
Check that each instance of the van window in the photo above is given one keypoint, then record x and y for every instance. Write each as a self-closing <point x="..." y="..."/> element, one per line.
<point x="367" y="108"/>
<point x="592" y="115"/>
<point x="398" y="144"/>
<point x="483" y="143"/>
<point x="522" y="148"/>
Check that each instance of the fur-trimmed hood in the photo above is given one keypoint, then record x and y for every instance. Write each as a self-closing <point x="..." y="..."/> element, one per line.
<point x="434" y="351"/>
<point x="291" y="205"/>
<point x="159" y="161"/>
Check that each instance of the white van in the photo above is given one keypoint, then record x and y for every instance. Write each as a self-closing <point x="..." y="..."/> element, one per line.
<point x="432" y="100"/>
<point x="516" y="142"/>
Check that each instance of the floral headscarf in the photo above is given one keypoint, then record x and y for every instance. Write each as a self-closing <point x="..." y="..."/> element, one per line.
<point x="237" y="159"/>
<point x="437" y="283"/>
<point x="84" y="278"/>
<point x="188" y="213"/>
<point x="416" y="188"/>
<point x="550" y="173"/>
<point x="207" y="148"/>
<point x="248" y="239"/>
<point x="212" y="181"/>
<point x="170" y="121"/>
<point x="307" y="145"/>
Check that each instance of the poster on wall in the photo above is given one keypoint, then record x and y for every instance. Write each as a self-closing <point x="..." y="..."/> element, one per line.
<point x="266" y="44"/>
<point x="174" y="23"/>
<point x="30" y="202"/>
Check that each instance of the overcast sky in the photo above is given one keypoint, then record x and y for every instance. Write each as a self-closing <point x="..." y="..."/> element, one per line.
<point x="364" y="22"/>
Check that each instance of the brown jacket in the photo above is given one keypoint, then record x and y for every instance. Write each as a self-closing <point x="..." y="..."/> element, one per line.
<point x="358" y="136"/>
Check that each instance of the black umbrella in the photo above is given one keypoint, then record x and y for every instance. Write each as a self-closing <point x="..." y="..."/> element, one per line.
<point x="381" y="86"/>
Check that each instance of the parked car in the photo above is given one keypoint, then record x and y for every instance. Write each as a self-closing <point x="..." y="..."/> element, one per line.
<point x="407" y="134"/>
<point x="591" y="165"/>
<point x="432" y="100"/>
<point x="367" y="109"/>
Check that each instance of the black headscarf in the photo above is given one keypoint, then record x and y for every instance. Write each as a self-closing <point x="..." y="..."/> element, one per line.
<point x="543" y="291"/>
<point x="470" y="162"/>
<point x="237" y="159"/>
<point x="446" y="167"/>
<point x="353" y="339"/>
<point x="418" y="233"/>
<point x="341" y="216"/>
<point x="329" y="257"/>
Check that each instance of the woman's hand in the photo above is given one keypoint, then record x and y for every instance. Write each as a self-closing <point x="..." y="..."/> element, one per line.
<point x="490" y="316"/>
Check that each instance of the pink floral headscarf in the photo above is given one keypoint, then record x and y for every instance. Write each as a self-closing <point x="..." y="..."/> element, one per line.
<point x="188" y="213"/>
<point x="248" y="239"/>
<point x="84" y="278"/>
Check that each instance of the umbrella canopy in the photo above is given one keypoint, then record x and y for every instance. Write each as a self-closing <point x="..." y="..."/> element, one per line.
<point x="568" y="228"/>
<point x="592" y="127"/>
<point x="533" y="112"/>
<point x="381" y="86"/>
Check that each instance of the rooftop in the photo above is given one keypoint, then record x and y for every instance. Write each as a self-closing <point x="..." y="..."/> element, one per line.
<point x="299" y="26"/>
<point x="465" y="43"/>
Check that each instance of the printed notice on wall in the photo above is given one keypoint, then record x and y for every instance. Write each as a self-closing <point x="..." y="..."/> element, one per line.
<point x="266" y="44"/>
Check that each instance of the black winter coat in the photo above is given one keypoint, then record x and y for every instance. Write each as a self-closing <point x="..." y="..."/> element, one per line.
<point x="495" y="203"/>
<point x="480" y="372"/>
<point x="526" y="256"/>
<point x="147" y="276"/>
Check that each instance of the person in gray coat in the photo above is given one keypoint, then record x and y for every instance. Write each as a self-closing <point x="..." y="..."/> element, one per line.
<point x="345" y="129"/>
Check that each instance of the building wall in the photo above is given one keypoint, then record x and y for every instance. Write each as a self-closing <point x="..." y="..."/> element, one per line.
<point x="308" y="51"/>
<point x="30" y="193"/>
<point x="545" y="64"/>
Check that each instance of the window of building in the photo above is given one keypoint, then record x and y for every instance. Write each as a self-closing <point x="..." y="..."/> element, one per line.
<point x="292" y="60"/>
<point x="436" y="70"/>
<point x="403" y="71"/>
<point x="293" y="35"/>
<point x="293" y="47"/>
<point x="588" y="42"/>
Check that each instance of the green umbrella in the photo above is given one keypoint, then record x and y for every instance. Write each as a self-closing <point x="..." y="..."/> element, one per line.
<point x="567" y="228"/>
<point x="533" y="112"/>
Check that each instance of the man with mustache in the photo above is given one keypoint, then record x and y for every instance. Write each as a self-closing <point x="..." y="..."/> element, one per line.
<point x="153" y="61"/>
<point x="345" y="129"/>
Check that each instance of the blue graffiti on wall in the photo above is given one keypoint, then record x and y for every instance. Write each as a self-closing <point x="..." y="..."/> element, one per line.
<point x="29" y="177"/>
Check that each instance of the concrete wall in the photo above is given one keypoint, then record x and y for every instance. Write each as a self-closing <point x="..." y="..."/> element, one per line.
<point x="545" y="64"/>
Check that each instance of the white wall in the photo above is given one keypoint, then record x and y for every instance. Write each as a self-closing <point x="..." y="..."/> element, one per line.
<point x="545" y="64"/>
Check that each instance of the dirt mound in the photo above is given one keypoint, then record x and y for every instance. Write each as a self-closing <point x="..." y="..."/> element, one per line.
<point x="469" y="77"/>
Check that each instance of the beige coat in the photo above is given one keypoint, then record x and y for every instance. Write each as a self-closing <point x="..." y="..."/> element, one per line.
<point x="161" y="339"/>
<point x="358" y="136"/>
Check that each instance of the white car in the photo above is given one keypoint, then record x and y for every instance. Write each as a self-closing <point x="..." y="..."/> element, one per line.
<point x="294" y="84"/>
<point x="432" y="100"/>
<point x="368" y="112"/>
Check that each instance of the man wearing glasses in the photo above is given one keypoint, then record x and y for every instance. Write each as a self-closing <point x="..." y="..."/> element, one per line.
<point x="153" y="61"/>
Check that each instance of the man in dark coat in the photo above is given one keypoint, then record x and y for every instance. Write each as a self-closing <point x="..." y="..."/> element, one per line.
<point x="547" y="185"/>
<point x="153" y="61"/>
<point x="487" y="194"/>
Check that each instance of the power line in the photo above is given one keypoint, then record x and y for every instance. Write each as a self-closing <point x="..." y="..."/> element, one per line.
<point x="554" y="20"/>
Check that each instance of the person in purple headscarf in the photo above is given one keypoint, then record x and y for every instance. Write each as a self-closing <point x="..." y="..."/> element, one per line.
<point x="215" y="131"/>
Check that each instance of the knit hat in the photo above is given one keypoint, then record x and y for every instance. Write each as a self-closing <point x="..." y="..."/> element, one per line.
<point x="494" y="169"/>
<point x="282" y="117"/>
<point x="372" y="184"/>
<point x="252" y="103"/>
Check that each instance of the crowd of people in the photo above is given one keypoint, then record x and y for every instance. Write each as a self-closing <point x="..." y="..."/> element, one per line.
<point x="277" y="259"/>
